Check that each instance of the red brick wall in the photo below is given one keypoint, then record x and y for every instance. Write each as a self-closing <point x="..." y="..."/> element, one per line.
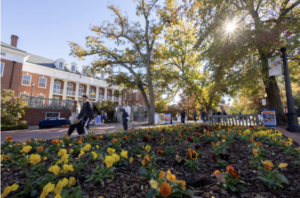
<point x="133" y="99"/>
<point x="5" y="80"/>
<point x="36" y="89"/>
<point x="34" y="116"/>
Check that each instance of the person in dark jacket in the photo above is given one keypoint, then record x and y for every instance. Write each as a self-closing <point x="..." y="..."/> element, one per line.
<point x="86" y="113"/>
<point x="195" y="115"/>
<point x="219" y="113"/>
<point x="203" y="115"/>
<point x="182" y="114"/>
<point x="126" y="111"/>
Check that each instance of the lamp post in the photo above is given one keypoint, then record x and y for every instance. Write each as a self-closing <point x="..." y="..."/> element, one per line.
<point x="293" y="125"/>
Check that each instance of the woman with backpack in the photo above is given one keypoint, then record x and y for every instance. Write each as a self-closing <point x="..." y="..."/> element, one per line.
<point x="74" y="123"/>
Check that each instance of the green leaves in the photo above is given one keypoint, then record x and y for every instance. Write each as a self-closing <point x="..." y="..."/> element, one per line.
<point x="152" y="193"/>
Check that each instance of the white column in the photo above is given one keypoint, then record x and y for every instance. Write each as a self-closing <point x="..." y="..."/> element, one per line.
<point x="88" y="90"/>
<point x="112" y="95"/>
<point x="105" y="93"/>
<point x="120" y="98"/>
<point x="51" y="87"/>
<point x="65" y="90"/>
<point x="97" y="94"/>
<point x="77" y="91"/>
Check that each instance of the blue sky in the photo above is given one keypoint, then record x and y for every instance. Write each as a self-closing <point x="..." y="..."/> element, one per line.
<point x="44" y="27"/>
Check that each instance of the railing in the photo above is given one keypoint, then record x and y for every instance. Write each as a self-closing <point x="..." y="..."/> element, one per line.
<point x="47" y="103"/>
<point x="239" y="119"/>
<point x="58" y="91"/>
<point x="109" y="98"/>
<point x="71" y="93"/>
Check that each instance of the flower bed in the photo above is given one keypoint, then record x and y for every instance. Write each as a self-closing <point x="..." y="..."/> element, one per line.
<point x="170" y="161"/>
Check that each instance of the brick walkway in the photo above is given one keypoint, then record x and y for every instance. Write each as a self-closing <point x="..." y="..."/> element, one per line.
<point x="294" y="136"/>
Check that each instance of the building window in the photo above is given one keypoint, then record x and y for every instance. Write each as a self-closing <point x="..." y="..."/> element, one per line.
<point x="40" y="96"/>
<point x="57" y="85"/>
<point x="24" y="95"/>
<point x="2" y="54"/>
<point x="60" y="65"/>
<point x="129" y="96"/>
<point x="73" y="68"/>
<point x="124" y="96"/>
<point x="70" y="89"/>
<point x="2" y="69"/>
<point x="81" y="90"/>
<point x="102" y="76"/>
<point x="26" y="79"/>
<point x="137" y="97"/>
<point x="52" y="116"/>
<point x="42" y="82"/>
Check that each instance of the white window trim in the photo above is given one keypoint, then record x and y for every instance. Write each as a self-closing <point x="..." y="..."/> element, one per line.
<point x="2" y="69"/>
<point x="52" y="112"/>
<point x="125" y="96"/>
<point x="82" y="89"/>
<point x="129" y="96"/>
<point x="71" y="85"/>
<point x="29" y="82"/>
<point x="24" y="93"/>
<point x="137" y="96"/>
<point x="45" y="83"/>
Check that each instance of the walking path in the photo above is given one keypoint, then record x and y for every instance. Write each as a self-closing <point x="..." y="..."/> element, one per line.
<point x="34" y="132"/>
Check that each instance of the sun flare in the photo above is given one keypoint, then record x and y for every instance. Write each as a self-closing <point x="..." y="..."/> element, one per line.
<point x="230" y="27"/>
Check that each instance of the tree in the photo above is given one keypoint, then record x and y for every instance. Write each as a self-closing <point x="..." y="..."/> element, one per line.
<point x="12" y="108"/>
<point x="134" y="51"/>
<point x="238" y="37"/>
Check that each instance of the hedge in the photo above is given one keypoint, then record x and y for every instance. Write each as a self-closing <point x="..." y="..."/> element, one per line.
<point x="13" y="127"/>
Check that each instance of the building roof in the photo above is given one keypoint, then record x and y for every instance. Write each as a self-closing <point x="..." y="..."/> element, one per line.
<point x="38" y="60"/>
<point x="11" y="47"/>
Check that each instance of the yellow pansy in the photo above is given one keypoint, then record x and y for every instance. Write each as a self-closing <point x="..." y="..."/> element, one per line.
<point x="94" y="155"/>
<point x="124" y="154"/>
<point x="111" y="151"/>
<point x="148" y="148"/>
<point x="71" y="151"/>
<point x="26" y="149"/>
<point x="87" y="147"/>
<point x="72" y="181"/>
<point x="60" y="185"/>
<point x="109" y="160"/>
<point x="116" y="157"/>
<point x="67" y="168"/>
<point x="131" y="160"/>
<point x="47" y="189"/>
<point x="97" y="146"/>
<point x="34" y="159"/>
<point x="64" y="158"/>
<point x="154" y="184"/>
<point x="55" y="169"/>
<point x="45" y="158"/>
<point x="62" y="152"/>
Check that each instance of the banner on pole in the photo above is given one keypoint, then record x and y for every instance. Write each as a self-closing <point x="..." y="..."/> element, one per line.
<point x="264" y="102"/>
<point x="274" y="66"/>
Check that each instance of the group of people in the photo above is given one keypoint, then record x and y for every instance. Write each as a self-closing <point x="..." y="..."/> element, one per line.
<point x="82" y="116"/>
<point x="202" y="115"/>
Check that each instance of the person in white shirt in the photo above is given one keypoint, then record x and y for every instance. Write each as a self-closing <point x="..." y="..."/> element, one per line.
<point x="126" y="115"/>
<point x="75" y="123"/>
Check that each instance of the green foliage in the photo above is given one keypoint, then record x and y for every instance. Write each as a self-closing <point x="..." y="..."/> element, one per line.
<point x="272" y="178"/>
<point x="233" y="184"/>
<point x="101" y="173"/>
<point x="12" y="108"/>
<point x="170" y="150"/>
<point x="20" y="125"/>
<point x="192" y="165"/>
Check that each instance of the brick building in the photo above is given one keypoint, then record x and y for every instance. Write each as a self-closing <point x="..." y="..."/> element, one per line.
<point x="27" y="73"/>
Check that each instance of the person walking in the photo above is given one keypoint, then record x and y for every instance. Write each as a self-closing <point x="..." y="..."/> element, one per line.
<point x="86" y="113"/>
<point x="75" y="124"/>
<point x="225" y="114"/>
<point x="126" y="115"/>
<point x="219" y="113"/>
<point x="182" y="114"/>
<point x="203" y="116"/>
<point x="195" y="115"/>
<point x="103" y="116"/>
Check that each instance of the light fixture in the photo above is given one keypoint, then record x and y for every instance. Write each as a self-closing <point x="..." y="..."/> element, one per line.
<point x="32" y="84"/>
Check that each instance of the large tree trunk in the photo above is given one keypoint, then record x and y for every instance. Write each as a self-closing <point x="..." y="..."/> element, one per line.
<point x="151" y="94"/>
<point x="145" y="98"/>
<point x="273" y="92"/>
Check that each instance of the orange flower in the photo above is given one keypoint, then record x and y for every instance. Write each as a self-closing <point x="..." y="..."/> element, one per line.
<point x="224" y="137"/>
<point x="79" y="142"/>
<point x="180" y="137"/>
<point x="251" y="140"/>
<point x="6" y="157"/>
<point x="232" y="172"/>
<point x="60" y="141"/>
<point x="9" y="138"/>
<point x="29" y="141"/>
<point x="229" y="130"/>
<point x="115" y="141"/>
<point x="213" y="144"/>
<point x="255" y="152"/>
<point x="55" y="141"/>
<point x="191" y="155"/>
<point x="165" y="189"/>
<point x="268" y="165"/>
<point x="257" y="144"/>
<point x="217" y="172"/>
<point x="161" y="174"/>
<point x="159" y="152"/>
<point x="40" y="148"/>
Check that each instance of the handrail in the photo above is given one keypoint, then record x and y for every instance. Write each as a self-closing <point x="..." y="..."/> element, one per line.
<point x="239" y="119"/>
<point x="44" y="103"/>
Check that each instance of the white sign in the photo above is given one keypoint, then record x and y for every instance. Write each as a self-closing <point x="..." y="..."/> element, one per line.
<point x="274" y="66"/>
<point x="264" y="102"/>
